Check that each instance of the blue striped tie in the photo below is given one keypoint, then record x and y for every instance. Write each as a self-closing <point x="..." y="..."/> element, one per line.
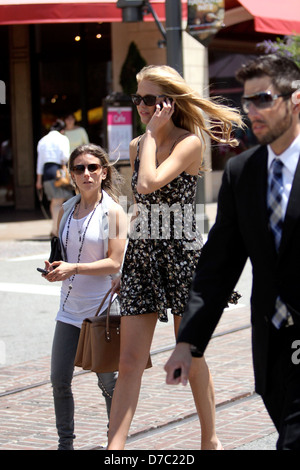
<point x="275" y="212"/>
<point x="274" y="201"/>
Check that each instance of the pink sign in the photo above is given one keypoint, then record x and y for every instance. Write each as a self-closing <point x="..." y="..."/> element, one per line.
<point x="119" y="131"/>
<point x="119" y="117"/>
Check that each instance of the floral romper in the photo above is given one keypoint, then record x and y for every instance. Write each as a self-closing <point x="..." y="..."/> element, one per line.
<point x="163" y="248"/>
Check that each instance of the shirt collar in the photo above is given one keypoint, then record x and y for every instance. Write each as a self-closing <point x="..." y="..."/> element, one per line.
<point x="289" y="157"/>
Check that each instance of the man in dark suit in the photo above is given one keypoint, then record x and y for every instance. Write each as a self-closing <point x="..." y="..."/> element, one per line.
<point x="258" y="217"/>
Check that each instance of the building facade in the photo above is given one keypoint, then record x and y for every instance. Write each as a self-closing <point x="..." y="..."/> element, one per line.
<point x="65" y="60"/>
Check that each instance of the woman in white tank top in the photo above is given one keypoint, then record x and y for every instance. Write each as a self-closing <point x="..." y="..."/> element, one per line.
<point x="92" y="231"/>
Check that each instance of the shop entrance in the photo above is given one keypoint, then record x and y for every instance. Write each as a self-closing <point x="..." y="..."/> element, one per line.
<point x="72" y="64"/>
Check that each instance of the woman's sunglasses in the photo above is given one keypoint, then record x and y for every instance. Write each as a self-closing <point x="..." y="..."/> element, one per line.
<point x="80" y="169"/>
<point x="149" y="100"/>
<point x="261" y="100"/>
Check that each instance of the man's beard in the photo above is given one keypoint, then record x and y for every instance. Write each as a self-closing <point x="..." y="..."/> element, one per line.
<point x="277" y="132"/>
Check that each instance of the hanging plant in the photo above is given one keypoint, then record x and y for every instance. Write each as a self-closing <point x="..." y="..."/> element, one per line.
<point x="288" y="46"/>
<point x="134" y="62"/>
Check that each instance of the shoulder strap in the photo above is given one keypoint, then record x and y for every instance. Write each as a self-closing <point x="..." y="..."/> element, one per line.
<point x="102" y="302"/>
<point x="137" y="160"/>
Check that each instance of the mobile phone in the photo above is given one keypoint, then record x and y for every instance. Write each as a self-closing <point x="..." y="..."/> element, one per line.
<point x="177" y="373"/>
<point x="43" y="271"/>
<point x="162" y="103"/>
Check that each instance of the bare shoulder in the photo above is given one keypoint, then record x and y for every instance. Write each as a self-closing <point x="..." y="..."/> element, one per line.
<point x="133" y="150"/>
<point x="116" y="209"/>
<point x="192" y="140"/>
<point x="118" y="221"/>
<point x="189" y="150"/>
<point x="134" y="141"/>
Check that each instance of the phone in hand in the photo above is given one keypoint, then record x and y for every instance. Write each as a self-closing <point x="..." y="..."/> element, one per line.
<point x="43" y="271"/>
<point x="177" y="373"/>
<point x="165" y="101"/>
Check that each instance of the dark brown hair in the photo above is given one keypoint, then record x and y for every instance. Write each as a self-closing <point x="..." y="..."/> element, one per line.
<point x="284" y="72"/>
<point x="111" y="184"/>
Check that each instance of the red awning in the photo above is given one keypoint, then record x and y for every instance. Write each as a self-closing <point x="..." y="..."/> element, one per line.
<point x="70" y="11"/>
<point x="274" y="16"/>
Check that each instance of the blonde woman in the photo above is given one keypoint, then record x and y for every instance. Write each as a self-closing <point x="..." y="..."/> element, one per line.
<point x="158" y="267"/>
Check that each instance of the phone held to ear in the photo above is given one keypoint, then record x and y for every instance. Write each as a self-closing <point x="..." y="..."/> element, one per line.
<point x="165" y="101"/>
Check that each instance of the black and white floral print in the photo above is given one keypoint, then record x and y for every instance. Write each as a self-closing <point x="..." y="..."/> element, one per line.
<point x="163" y="249"/>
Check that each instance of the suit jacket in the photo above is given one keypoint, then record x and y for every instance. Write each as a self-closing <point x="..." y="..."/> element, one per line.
<point x="241" y="230"/>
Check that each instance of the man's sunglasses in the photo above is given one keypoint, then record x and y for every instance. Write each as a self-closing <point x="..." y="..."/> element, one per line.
<point x="149" y="100"/>
<point x="261" y="100"/>
<point x="80" y="169"/>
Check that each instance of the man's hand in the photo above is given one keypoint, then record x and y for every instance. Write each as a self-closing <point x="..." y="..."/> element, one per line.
<point x="180" y="360"/>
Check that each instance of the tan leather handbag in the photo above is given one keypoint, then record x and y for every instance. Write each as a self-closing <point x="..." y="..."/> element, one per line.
<point x="98" y="347"/>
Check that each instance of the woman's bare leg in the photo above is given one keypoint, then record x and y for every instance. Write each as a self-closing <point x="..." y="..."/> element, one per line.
<point x="55" y="207"/>
<point x="136" y="338"/>
<point x="203" y="392"/>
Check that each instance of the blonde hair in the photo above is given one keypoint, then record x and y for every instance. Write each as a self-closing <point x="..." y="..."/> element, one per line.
<point x="189" y="107"/>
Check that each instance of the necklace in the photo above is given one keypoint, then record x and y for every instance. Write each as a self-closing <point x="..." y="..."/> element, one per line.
<point x="81" y="239"/>
<point x="82" y="220"/>
<point x="80" y="228"/>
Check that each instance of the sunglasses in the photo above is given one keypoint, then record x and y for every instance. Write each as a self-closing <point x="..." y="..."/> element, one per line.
<point x="80" y="169"/>
<point x="149" y="100"/>
<point x="261" y="100"/>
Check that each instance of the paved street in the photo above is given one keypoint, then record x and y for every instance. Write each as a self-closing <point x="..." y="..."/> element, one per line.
<point x="165" y="418"/>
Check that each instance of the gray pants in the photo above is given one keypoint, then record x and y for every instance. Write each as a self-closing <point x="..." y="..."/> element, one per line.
<point x="62" y="367"/>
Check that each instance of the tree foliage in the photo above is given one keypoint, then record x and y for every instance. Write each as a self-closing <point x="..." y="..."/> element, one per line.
<point x="288" y="46"/>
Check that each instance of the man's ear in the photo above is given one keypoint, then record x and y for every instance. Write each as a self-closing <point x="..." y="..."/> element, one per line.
<point x="296" y="99"/>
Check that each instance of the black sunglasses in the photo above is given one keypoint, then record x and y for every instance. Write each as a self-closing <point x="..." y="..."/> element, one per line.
<point x="261" y="100"/>
<point x="80" y="169"/>
<point x="149" y="100"/>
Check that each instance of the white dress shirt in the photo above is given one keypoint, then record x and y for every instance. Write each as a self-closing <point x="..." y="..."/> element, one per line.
<point x="52" y="148"/>
<point x="290" y="159"/>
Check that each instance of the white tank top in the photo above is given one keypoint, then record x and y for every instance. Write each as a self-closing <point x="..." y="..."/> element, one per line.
<point x="87" y="290"/>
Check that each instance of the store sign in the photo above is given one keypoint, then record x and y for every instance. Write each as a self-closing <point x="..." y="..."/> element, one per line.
<point x="205" y="19"/>
<point x="2" y="92"/>
<point x="119" y="131"/>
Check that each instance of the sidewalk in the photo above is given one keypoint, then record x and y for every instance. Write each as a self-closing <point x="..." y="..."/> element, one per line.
<point x="165" y="418"/>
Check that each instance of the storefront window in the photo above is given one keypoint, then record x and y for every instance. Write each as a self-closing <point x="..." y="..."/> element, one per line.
<point x="6" y="162"/>
<point x="73" y="62"/>
<point x="223" y="83"/>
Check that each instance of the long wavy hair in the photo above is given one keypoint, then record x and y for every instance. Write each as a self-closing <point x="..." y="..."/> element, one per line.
<point x="113" y="181"/>
<point x="192" y="112"/>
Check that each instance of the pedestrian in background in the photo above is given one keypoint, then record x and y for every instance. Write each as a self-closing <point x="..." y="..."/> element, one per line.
<point x="92" y="231"/>
<point x="77" y="135"/>
<point x="53" y="153"/>
<point x="258" y="217"/>
<point x="158" y="270"/>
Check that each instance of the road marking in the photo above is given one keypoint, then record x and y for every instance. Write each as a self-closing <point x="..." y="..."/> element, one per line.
<point x="29" y="257"/>
<point x="29" y="288"/>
